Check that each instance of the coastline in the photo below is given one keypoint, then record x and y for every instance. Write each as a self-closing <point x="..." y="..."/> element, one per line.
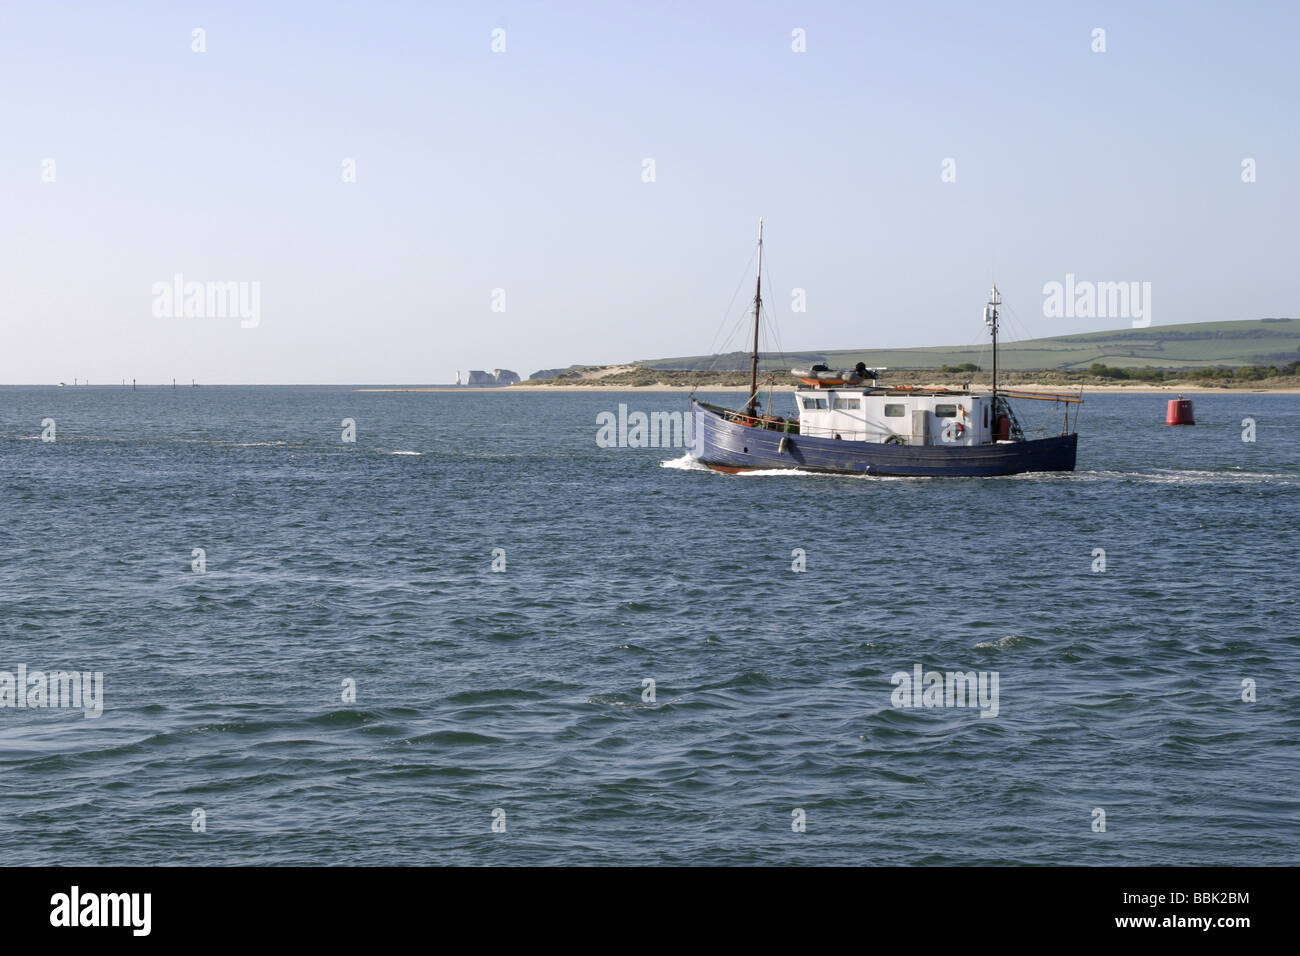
<point x="1145" y="389"/>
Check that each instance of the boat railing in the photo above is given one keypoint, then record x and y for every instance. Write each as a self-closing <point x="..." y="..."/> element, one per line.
<point x="794" y="427"/>
<point x="868" y="435"/>
<point x="770" y="424"/>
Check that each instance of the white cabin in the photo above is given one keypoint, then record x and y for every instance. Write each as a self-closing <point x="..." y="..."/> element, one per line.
<point x="898" y="416"/>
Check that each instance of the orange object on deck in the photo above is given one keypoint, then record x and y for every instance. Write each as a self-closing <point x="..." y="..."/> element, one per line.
<point x="1179" y="412"/>
<point x="824" y="382"/>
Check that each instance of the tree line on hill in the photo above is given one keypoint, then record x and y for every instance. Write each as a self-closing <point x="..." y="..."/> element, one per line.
<point x="1242" y="373"/>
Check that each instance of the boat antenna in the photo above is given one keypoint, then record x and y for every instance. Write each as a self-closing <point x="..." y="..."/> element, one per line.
<point x="758" y="301"/>
<point x="991" y="320"/>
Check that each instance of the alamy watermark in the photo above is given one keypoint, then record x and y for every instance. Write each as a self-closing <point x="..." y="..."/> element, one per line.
<point x="179" y="299"/>
<point x="641" y="430"/>
<point x="1098" y="300"/>
<point x="922" y="688"/>
<point x="38" y="690"/>
<point x="75" y="908"/>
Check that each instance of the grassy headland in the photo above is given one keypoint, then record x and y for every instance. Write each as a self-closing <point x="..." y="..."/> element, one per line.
<point x="641" y="376"/>
<point x="1256" y="353"/>
<point x="1192" y="345"/>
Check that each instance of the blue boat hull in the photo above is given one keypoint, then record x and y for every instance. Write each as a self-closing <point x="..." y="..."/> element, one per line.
<point x="727" y="446"/>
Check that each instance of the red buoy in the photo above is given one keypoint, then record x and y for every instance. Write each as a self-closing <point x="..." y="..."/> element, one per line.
<point x="1179" y="412"/>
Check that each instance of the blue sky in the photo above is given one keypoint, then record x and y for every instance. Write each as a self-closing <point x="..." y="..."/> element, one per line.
<point x="522" y="171"/>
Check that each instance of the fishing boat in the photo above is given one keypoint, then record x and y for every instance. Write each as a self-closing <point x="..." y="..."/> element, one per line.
<point x="846" y="422"/>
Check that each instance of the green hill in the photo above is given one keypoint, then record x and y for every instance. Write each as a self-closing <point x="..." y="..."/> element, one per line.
<point x="1194" y="345"/>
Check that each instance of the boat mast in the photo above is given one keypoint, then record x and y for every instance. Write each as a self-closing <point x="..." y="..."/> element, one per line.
<point x="991" y="320"/>
<point x="758" y="301"/>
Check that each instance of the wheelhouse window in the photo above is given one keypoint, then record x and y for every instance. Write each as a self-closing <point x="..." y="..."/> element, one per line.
<point x="814" y="403"/>
<point x="895" y="411"/>
<point x="945" y="411"/>
<point x="848" y="403"/>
